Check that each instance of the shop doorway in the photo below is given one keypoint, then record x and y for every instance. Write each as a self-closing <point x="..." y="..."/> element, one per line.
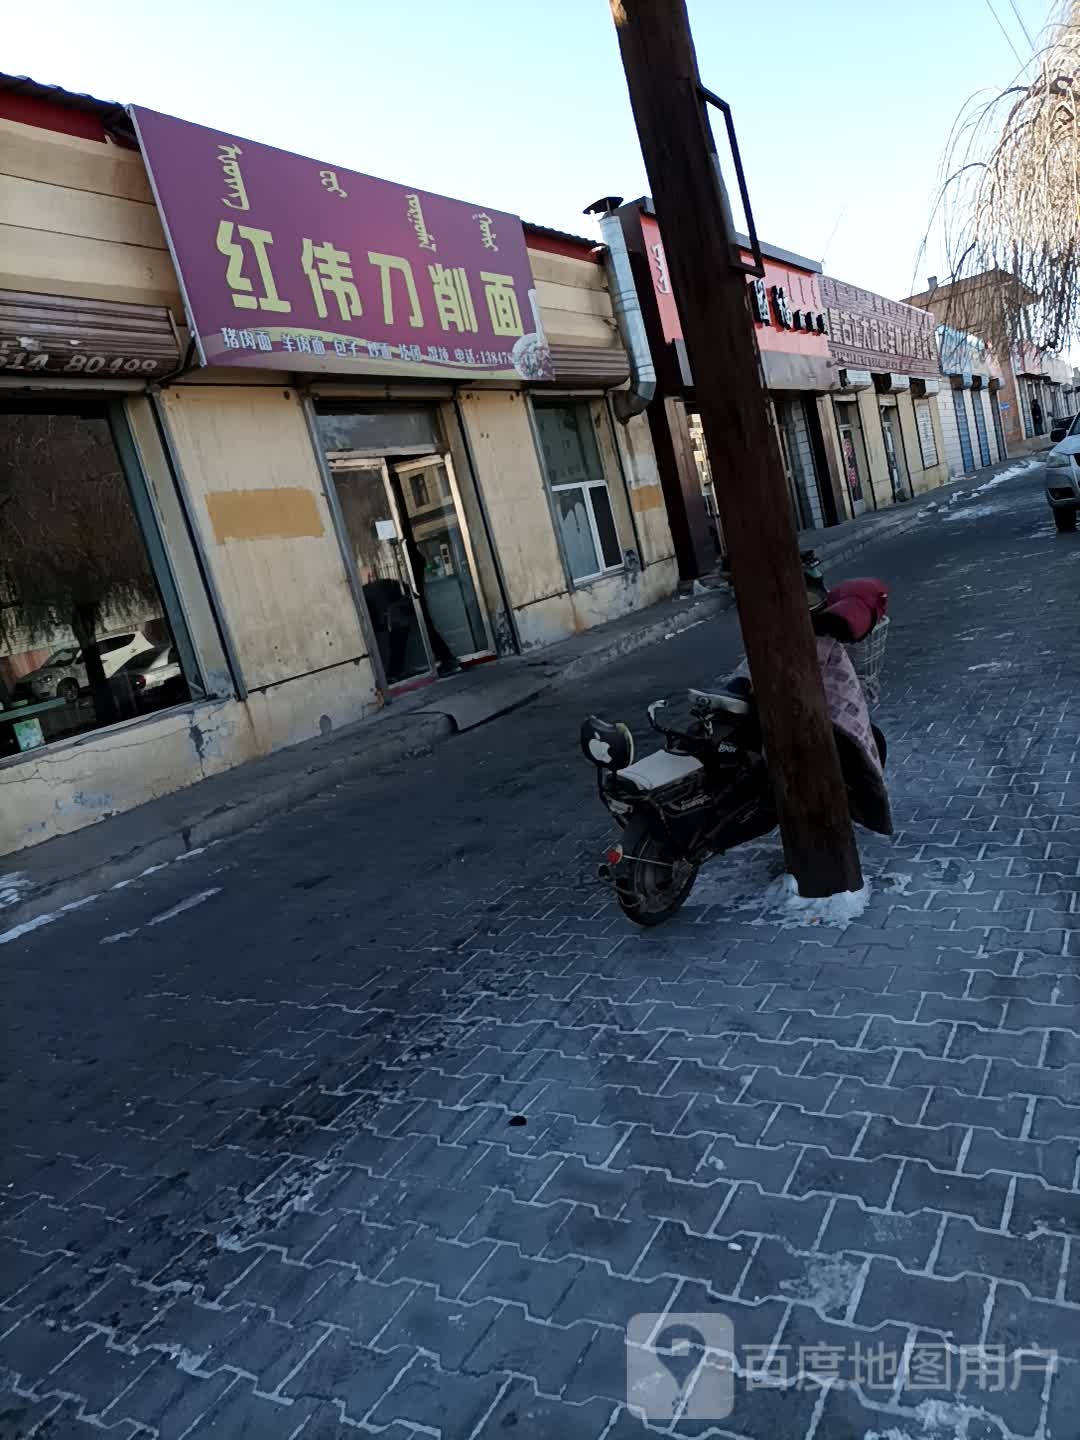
<point x="894" y="452"/>
<point x="999" y="433"/>
<point x="980" y="426"/>
<point x="849" y="426"/>
<point x="796" y="452"/>
<point x="441" y="561"/>
<point x="413" y="564"/>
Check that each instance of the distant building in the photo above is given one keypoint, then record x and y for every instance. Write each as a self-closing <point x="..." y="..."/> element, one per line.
<point x="1034" y="385"/>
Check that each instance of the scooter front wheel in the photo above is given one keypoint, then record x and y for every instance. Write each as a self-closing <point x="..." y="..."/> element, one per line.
<point x="651" y="882"/>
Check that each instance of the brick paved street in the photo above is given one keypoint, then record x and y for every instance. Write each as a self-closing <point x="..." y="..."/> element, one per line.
<point x="381" y="1120"/>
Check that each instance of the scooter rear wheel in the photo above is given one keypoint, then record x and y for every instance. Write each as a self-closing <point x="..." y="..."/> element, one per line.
<point x="651" y="882"/>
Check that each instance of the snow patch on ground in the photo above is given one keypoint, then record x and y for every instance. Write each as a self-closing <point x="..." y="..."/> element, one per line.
<point x="973" y="512"/>
<point x="896" y="882"/>
<point x="752" y="878"/>
<point x="935" y="1420"/>
<point x="46" y="919"/>
<point x="188" y="904"/>
<point x="949" y="508"/>
<point x="12" y="888"/>
<point x="1010" y="473"/>
<point x="782" y="902"/>
<point x="827" y="1285"/>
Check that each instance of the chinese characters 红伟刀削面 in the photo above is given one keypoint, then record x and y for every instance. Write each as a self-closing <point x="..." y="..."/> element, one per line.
<point x="503" y="309"/>
<point x="453" y="298"/>
<point x="330" y="273"/>
<point x="389" y="265"/>
<point x="244" y="297"/>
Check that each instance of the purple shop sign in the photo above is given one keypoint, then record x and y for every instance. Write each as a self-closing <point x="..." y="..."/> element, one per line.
<point x="287" y="264"/>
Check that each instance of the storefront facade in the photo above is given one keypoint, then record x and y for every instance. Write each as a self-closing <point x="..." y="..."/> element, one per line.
<point x="1034" y="386"/>
<point x="350" y="478"/>
<point x="1044" y="382"/>
<point x="884" y="403"/>
<point x="788" y="317"/>
<point x="970" y="403"/>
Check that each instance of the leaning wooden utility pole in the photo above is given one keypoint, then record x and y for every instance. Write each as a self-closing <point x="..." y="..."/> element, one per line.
<point x="703" y="257"/>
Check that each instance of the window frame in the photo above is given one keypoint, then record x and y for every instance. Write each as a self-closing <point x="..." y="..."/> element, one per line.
<point x="576" y="403"/>
<point x="112" y="409"/>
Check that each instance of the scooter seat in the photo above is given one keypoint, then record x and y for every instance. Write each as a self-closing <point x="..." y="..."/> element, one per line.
<point x="659" y="769"/>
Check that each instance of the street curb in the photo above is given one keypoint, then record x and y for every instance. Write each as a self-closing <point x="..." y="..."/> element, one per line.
<point x="220" y="822"/>
<point x="846" y="549"/>
<point x="419" y="733"/>
<point x="699" y="609"/>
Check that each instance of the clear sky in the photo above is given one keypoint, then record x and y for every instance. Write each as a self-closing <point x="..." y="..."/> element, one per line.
<point x="842" y="106"/>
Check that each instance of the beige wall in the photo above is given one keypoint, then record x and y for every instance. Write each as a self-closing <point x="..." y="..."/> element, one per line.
<point x="510" y="474"/>
<point x="929" y="477"/>
<point x="63" y="787"/>
<point x="251" y="471"/>
<point x="646" y="495"/>
<point x="77" y="218"/>
<point x="922" y="478"/>
<point x="837" y="476"/>
<point x="870" y="416"/>
<point x="575" y="306"/>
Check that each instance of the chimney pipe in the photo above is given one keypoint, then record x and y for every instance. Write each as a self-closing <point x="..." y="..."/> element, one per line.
<point x="627" y="308"/>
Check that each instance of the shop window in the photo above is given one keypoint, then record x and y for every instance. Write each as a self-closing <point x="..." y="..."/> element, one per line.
<point x="579" y="488"/>
<point x="924" y="423"/>
<point x="378" y="429"/>
<point x="420" y="495"/>
<point x="85" y="635"/>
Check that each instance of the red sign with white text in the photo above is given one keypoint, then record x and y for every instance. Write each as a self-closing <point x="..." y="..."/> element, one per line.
<point x="786" y="303"/>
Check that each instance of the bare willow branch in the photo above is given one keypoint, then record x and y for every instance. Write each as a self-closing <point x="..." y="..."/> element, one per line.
<point x="1008" y="202"/>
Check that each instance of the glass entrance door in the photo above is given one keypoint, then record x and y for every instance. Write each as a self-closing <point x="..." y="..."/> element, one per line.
<point x="373" y="526"/>
<point x="894" y="452"/>
<point x="849" y="426"/>
<point x="441" y="557"/>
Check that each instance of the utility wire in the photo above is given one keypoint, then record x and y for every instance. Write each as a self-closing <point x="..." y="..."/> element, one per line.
<point x="1008" y="38"/>
<point x="1020" y="22"/>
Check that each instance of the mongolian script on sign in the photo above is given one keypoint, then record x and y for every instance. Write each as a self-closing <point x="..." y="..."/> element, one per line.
<point x="335" y="271"/>
<point x="332" y="183"/>
<point x="424" y="237"/>
<point x="229" y="159"/>
<point x="487" y="231"/>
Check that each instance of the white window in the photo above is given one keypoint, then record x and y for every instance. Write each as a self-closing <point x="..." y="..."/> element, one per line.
<point x="579" y="489"/>
<point x="924" y="423"/>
